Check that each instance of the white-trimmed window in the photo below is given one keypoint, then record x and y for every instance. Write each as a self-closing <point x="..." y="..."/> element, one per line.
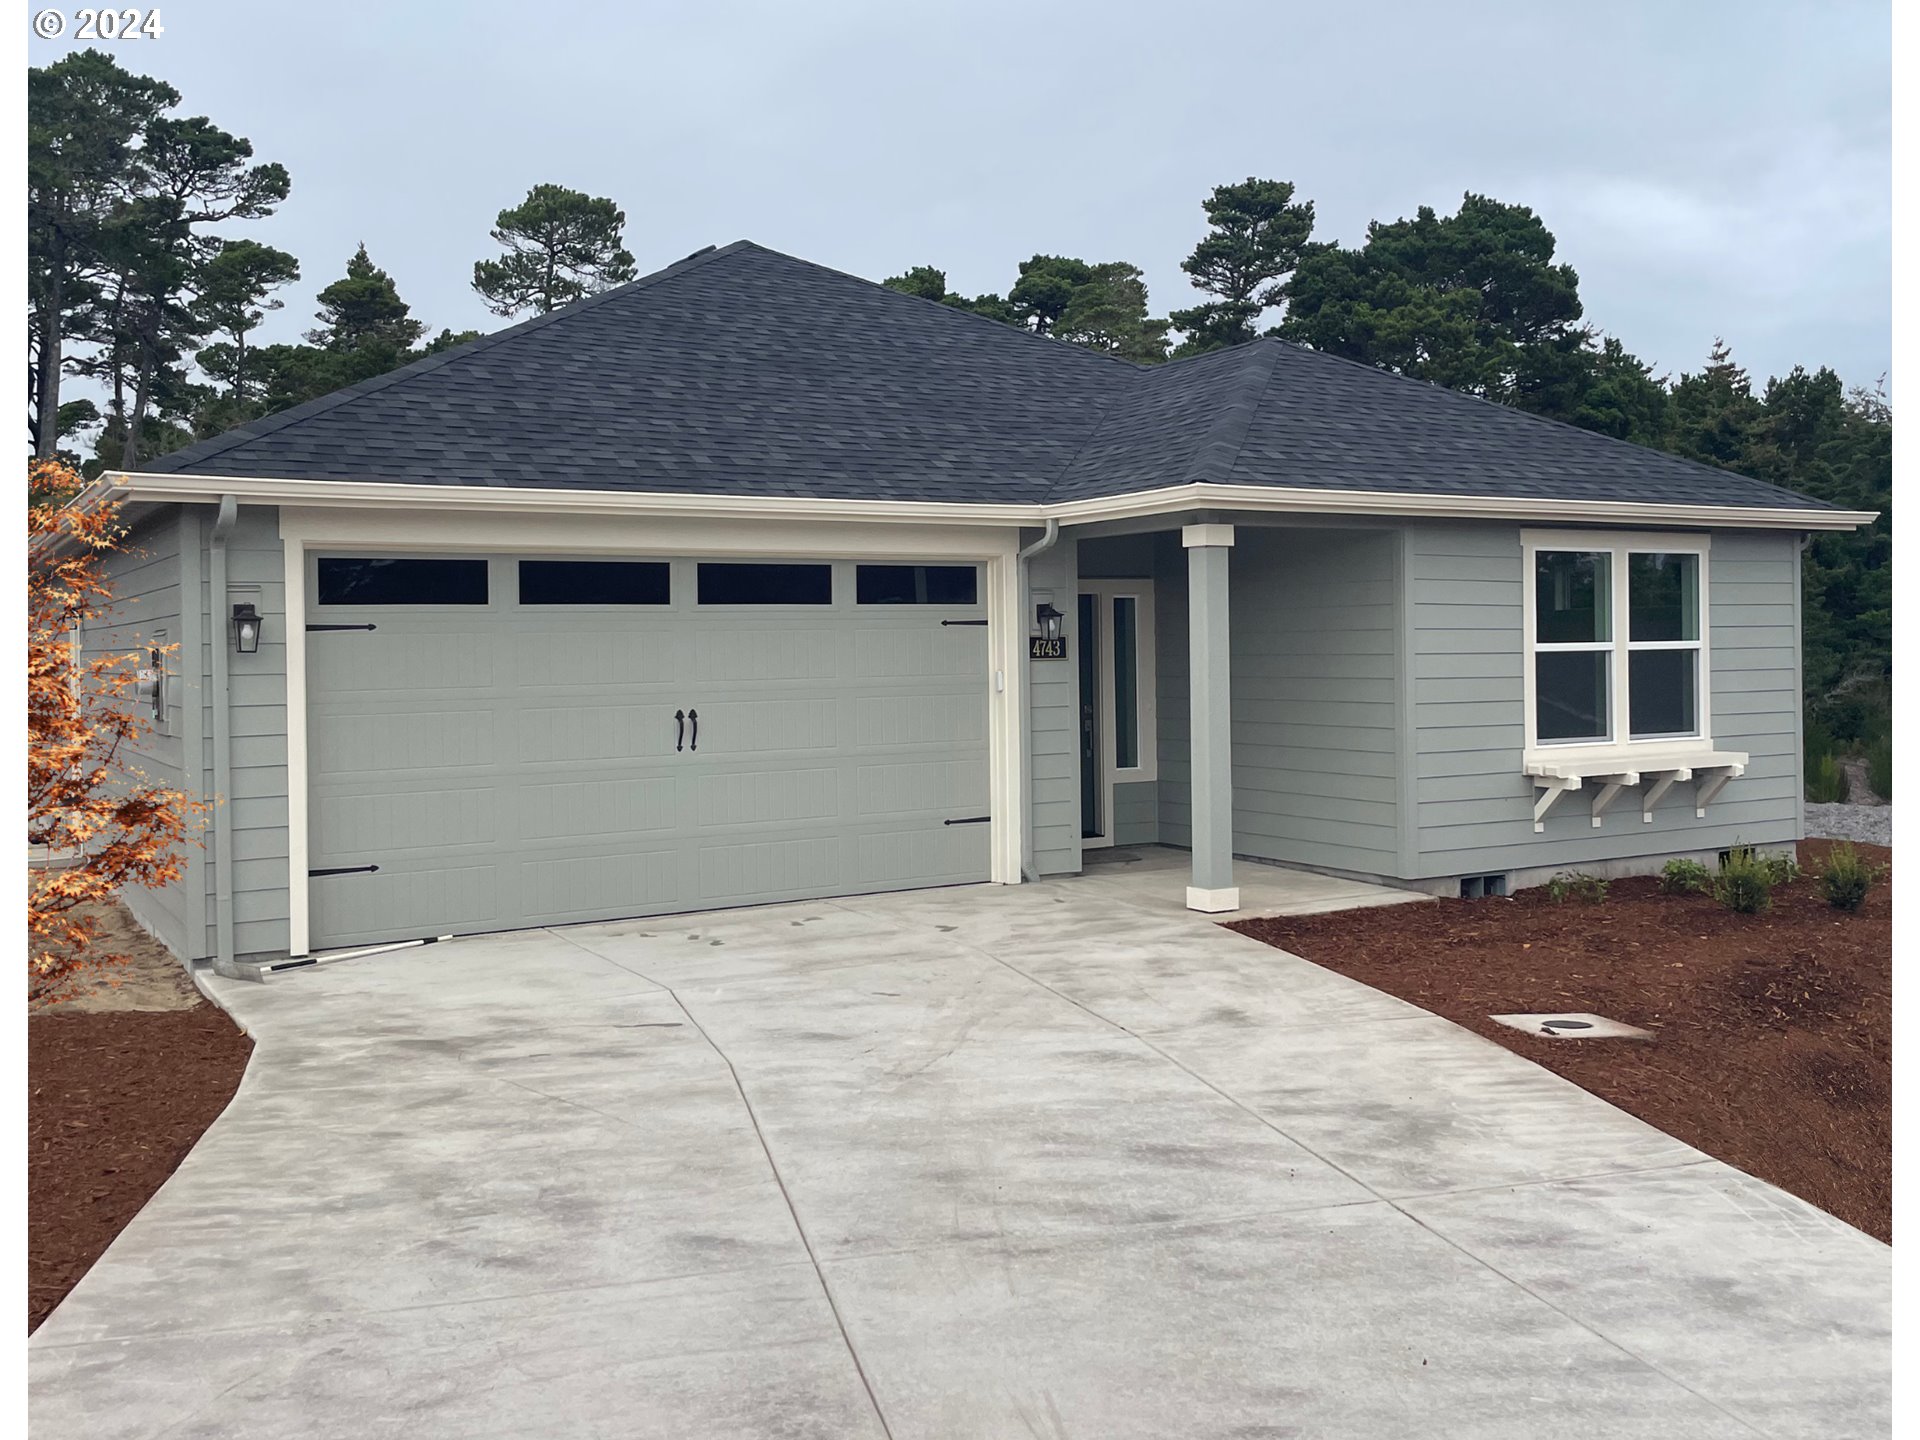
<point x="1616" y="647"/>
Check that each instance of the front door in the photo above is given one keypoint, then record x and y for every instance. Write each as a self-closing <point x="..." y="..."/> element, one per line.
<point x="1092" y="780"/>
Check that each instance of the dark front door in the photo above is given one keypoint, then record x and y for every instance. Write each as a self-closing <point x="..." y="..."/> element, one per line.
<point x="1087" y="648"/>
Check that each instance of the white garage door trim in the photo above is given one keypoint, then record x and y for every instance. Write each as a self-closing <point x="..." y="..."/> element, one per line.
<point x="305" y="529"/>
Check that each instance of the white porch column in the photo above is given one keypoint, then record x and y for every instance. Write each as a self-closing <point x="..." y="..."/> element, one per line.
<point x="1208" y="547"/>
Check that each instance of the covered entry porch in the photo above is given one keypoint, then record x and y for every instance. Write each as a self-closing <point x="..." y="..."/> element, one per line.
<point x="1227" y="688"/>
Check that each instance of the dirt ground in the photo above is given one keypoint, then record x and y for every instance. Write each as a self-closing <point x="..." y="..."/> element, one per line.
<point x="151" y="979"/>
<point x="1773" y="1032"/>
<point x="121" y="1082"/>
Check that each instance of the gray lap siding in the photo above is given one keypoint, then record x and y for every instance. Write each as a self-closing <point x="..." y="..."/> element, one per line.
<point x="1314" y="662"/>
<point x="1053" y="783"/>
<point x="149" y="574"/>
<point x="1378" y="705"/>
<point x="1473" y="811"/>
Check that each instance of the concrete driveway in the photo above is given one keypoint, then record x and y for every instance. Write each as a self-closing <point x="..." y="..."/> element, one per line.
<point x="1060" y="1160"/>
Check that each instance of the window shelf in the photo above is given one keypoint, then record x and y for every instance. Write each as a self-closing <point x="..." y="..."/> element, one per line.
<point x="1660" y="770"/>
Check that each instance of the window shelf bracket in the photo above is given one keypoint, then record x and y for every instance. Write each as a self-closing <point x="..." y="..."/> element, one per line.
<point x="1551" y="788"/>
<point x="1662" y="783"/>
<point x="1709" y="783"/>
<point x="1610" y="788"/>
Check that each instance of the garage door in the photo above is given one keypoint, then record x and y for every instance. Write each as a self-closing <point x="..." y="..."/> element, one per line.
<point x="507" y="741"/>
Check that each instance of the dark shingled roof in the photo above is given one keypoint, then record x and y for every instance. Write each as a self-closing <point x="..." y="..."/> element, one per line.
<point x="742" y="371"/>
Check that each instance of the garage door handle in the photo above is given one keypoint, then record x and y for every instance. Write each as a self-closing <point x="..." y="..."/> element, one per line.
<point x="694" y="716"/>
<point x="680" y="730"/>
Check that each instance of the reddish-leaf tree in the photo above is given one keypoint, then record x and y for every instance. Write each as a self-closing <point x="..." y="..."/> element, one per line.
<point x="104" y="824"/>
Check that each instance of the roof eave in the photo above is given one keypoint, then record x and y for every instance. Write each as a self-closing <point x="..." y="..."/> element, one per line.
<point x="388" y="495"/>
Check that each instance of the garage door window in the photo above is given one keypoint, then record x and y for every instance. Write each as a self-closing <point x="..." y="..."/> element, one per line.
<point x="917" y="585"/>
<point x="595" y="582"/>
<point x="385" y="581"/>
<point x="731" y="584"/>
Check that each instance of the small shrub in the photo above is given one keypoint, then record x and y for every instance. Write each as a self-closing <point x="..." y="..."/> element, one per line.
<point x="1745" y="882"/>
<point x="1826" y="781"/>
<point x="1780" y="867"/>
<point x="1880" y="767"/>
<point x="1576" y="885"/>
<point x="1685" y="877"/>
<point x="1845" y="878"/>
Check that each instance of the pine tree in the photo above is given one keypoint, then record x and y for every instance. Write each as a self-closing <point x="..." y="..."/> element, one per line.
<point x="1256" y="236"/>
<point x="562" y="245"/>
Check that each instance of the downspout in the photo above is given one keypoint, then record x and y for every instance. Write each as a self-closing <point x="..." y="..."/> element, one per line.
<point x="1046" y="541"/>
<point x="217" y="604"/>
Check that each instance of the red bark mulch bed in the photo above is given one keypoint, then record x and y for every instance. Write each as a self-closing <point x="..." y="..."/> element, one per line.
<point x="1774" y="1048"/>
<point x="115" y="1100"/>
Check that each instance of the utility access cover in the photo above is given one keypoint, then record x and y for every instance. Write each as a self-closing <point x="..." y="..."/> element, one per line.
<point x="1575" y="1025"/>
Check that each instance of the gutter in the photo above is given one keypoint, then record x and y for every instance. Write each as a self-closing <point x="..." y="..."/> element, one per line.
<point x="1048" y="538"/>
<point x="223" y="524"/>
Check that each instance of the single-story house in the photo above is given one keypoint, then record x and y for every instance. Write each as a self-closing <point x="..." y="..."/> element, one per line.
<point x="752" y="581"/>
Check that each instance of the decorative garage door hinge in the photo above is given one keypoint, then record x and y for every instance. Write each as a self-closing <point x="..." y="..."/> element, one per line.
<point x="345" y="870"/>
<point x="963" y="622"/>
<point x="369" y="625"/>
<point x="969" y="820"/>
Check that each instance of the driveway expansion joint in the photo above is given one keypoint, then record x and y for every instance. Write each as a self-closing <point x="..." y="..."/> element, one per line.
<point x="820" y="1275"/>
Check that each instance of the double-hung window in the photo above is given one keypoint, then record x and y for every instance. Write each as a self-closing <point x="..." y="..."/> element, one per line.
<point x="1616" y="640"/>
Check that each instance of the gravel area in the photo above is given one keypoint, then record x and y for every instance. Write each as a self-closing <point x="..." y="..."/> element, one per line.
<point x="1870" y="823"/>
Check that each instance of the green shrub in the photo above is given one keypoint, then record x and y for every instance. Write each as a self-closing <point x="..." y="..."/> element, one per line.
<point x="1745" y="882"/>
<point x="1576" y="885"/>
<point x="1780" y="867"/>
<point x="1880" y="767"/>
<point x="1685" y="877"/>
<point x="1826" y="781"/>
<point x="1845" y="877"/>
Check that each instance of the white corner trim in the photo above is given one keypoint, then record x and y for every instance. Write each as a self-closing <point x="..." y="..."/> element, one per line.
<point x="1213" y="902"/>
<point x="1269" y="499"/>
<point x="1192" y="536"/>
<point x="1006" y="705"/>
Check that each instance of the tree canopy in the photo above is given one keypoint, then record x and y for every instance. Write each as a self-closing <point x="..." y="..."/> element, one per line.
<point x="561" y="245"/>
<point x="1455" y="299"/>
<point x="1256" y="234"/>
<point x="120" y="194"/>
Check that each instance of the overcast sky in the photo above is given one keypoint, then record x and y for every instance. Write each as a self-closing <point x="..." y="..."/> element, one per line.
<point x="1709" y="168"/>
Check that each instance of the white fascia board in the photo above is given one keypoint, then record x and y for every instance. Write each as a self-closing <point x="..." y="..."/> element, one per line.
<point x="1279" y="499"/>
<point x="369" y="494"/>
<point x="501" y="499"/>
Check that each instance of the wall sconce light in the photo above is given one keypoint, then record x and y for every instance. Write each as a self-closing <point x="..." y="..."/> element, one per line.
<point x="1048" y="620"/>
<point x="246" y="629"/>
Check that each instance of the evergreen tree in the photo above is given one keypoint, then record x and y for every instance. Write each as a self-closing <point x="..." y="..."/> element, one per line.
<point x="926" y="281"/>
<point x="1714" y="416"/>
<point x="1472" y="301"/>
<point x="1256" y="235"/>
<point x="363" y="310"/>
<point x="1108" y="312"/>
<point x="561" y="245"/>
<point x="929" y="282"/>
<point x="448" y="340"/>
<point x="86" y="118"/>
<point x="236" y="295"/>
<point x="1044" y="290"/>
